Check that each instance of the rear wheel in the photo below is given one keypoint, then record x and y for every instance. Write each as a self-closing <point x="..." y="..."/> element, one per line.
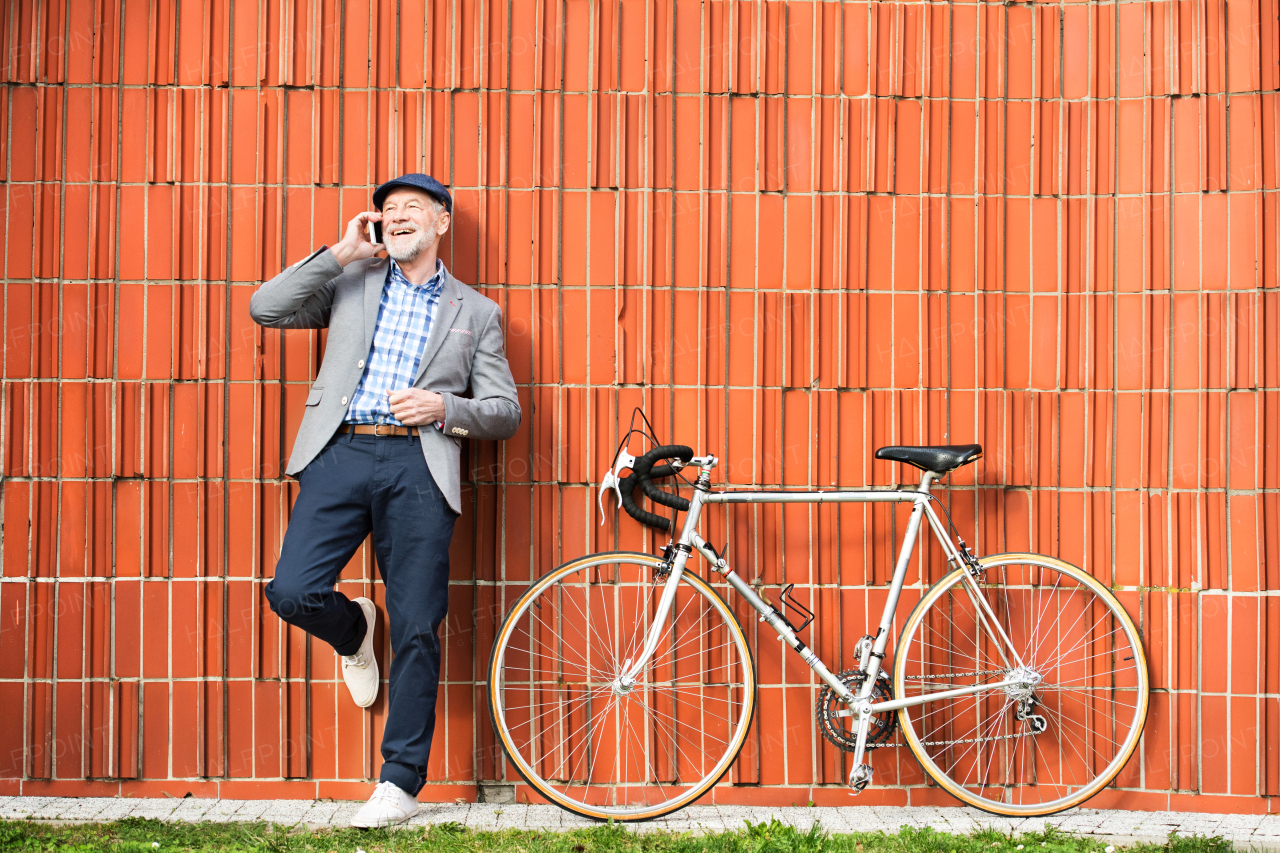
<point x="594" y="742"/>
<point x="1073" y="717"/>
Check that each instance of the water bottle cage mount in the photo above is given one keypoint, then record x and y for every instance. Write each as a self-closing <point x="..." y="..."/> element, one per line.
<point x="789" y="600"/>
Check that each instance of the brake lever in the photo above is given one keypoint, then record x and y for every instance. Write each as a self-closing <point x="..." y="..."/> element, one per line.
<point x="612" y="481"/>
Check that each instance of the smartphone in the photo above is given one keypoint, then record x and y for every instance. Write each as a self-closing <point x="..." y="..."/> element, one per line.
<point x="375" y="232"/>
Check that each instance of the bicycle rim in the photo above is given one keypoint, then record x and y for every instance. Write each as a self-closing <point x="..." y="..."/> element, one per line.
<point x="1074" y="718"/>
<point x="605" y="749"/>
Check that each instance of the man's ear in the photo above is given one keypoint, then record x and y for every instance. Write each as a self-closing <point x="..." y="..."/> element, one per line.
<point x="445" y="219"/>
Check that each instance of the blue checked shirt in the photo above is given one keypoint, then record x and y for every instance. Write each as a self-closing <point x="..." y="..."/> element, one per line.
<point x="405" y="313"/>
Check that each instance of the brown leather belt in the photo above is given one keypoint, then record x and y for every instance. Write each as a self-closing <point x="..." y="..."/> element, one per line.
<point x="376" y="429"/>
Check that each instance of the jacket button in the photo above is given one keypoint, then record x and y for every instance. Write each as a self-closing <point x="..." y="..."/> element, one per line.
<point x="360" y="363"/>
<point x="344" y="401"/>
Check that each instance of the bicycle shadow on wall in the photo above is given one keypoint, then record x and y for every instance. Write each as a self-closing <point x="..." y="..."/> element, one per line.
<point x="622" y="685"/>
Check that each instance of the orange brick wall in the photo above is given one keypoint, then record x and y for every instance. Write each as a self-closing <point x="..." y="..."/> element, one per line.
<point x="793" y="233"/>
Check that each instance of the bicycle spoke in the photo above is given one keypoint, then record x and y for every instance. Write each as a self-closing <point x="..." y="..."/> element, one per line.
<point x="652" y="712"/>
<point x="684" y="714"/>
<point x="1083" y="678"/>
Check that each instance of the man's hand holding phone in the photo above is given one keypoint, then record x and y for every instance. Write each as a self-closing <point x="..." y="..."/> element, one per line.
<point x="357" y="243"/>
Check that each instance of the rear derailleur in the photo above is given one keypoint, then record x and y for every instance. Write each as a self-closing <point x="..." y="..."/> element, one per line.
<point x="1023" y="711"/>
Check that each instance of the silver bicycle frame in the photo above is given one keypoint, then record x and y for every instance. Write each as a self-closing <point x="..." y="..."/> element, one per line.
<point x="870" y="663"/>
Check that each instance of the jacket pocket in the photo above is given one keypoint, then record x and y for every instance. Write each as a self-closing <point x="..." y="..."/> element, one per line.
<point x="313" y="399"/>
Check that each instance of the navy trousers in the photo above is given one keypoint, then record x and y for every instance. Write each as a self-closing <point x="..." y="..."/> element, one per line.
<point x="362" y="484"/>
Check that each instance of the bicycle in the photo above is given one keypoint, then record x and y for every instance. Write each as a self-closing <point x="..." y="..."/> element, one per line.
<point x="621" y="685"/>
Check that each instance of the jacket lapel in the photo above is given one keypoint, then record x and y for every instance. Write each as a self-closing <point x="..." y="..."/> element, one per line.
<point x="375" y="277"/>
<point x="446" y="312"/>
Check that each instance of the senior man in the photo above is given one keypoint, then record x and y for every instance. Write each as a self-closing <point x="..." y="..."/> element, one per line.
<point x="413" y="365"/>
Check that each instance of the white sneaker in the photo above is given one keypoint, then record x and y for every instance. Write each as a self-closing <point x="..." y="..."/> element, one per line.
<point x="360" y="670"/>
<point x="388" y="806"/>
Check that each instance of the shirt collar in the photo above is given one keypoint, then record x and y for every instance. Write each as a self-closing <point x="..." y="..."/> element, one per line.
<point x="433" y="284"/>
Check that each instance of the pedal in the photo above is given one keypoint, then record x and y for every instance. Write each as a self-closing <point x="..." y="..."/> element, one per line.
<point x="860" y="777"/>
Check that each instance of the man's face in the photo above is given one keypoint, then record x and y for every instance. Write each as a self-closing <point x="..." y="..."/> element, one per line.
<point x="412" y="221"/>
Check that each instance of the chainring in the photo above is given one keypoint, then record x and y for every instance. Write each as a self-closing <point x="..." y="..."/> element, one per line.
<point x="842" y="732"/>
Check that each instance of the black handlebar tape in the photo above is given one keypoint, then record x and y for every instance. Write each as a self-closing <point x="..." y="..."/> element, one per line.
<point x="644" y="472"/>
<point x="626" y="486"/>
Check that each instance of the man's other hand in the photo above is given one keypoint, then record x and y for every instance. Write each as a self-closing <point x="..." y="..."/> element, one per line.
<point x="355" y="244"/>
<point x="415" y="407"/>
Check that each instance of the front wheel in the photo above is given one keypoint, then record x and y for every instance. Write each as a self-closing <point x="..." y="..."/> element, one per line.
<point x="1074" y="711"/>
<point x="589" y="739"/>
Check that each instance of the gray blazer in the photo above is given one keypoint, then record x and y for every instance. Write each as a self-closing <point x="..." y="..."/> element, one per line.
<point x="463" y="359"/>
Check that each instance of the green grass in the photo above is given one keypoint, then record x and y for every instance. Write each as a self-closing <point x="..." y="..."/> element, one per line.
<point x="137" y="835"/>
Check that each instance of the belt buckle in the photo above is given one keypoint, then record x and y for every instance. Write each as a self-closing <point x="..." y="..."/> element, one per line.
<point x="391" y="429"/>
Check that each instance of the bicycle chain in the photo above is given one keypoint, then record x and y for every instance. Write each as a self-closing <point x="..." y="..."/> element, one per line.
<point x="974" y="739"/>
<point x="956" y="675"/>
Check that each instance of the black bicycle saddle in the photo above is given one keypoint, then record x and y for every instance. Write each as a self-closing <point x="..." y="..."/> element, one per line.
<point x="940" y="459"/>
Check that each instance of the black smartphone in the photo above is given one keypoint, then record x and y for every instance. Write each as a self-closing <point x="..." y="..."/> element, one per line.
<point x="375" y="232"/>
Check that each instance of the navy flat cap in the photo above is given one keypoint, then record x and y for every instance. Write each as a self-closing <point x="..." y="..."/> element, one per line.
<point x="415" y="181"/>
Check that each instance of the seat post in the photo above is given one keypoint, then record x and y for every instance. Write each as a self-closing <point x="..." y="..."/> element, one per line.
<point x="926" y="481"/>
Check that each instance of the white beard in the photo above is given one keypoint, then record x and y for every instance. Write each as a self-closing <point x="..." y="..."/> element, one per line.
<point x="409" y="252"/>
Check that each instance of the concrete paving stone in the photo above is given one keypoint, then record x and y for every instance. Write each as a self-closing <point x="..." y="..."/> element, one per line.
<point x="486" y="823"/>
<point x="1122" y="822"/>
<point x="419" y="821"/>
<point x="320" y="813"/>
<point x="510" y="815"/>
<point x="1079" y="824"/>
<point x="82" y="808"/>
<point x="705" y="819"/>
<point x="252" y="810"/>
<point x="114" y="809"/>
<point x="490" y="816"/>
<point x="1261" y="832"/>
<point x="699" y="812"/>
<point x="831" y="819"/>
<point x="430" y="814"/>
<point x="1156" y="817"/>
<point x="285" y="812"/>
<point x="344" y="813"/>
<point x="223" y="811"/>
<point x="793" y="816"/>
<point x="50" y="809"/>
<point x="543" y="817"/>
<point x="21" y="807"/>
<point x="192" y="809"/>
<point x="153" y="809"/>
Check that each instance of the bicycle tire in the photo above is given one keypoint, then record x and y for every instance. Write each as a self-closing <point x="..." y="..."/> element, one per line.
<point x="1085" y="674"/>
<point x="664" y="770"/>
